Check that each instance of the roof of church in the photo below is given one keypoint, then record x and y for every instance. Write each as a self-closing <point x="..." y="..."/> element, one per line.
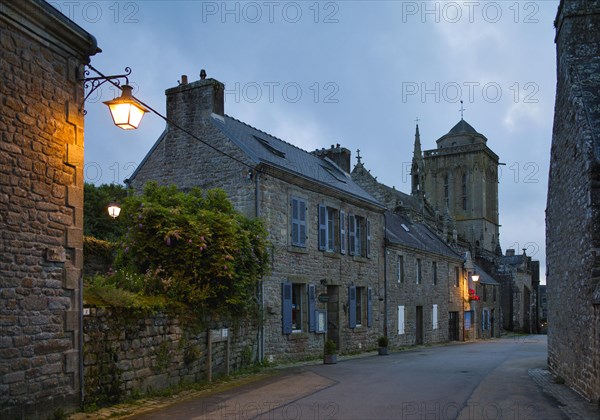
<point x="462" y="128"/>
<point x="264" y="148"/>
<point x="401" y="230"/>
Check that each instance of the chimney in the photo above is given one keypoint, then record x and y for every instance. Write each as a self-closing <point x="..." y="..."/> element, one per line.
<point x="191" y="104"/>
<point x="339" y="155"/>
<point x="510" y="252"/>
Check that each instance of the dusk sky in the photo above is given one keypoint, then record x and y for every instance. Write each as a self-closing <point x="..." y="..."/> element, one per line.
<point x="357" y="73"/>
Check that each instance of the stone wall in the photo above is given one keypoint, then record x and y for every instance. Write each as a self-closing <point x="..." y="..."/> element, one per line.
<point x="41" y="208"/>
<point x="445" y="294"/>
<point x="573" y="207"/>
<point x="130" y="354"/>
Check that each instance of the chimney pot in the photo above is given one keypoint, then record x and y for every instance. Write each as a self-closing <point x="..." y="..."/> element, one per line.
<point x="184" y="79"/>
<point x="202" y="74"/>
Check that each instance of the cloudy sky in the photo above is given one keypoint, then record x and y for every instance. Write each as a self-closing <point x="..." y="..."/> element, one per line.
<point x="357" y="73"/>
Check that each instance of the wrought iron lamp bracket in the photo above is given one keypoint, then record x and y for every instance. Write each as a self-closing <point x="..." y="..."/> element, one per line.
<point x="91" y="84"/>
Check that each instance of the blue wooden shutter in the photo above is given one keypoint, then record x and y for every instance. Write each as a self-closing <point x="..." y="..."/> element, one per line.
<point x="312" y="318"/>
<point x="286" y="307"/>
<point x="352" y="306"/>
<point x="302" y="222"/>
<point x="368" y="238"/>
<point x="369" y="308"/>
<point x="322" y="227"/>
<point x="295" y="222"/>
<point x="351" y="234"/>
<point x="342" y="232"/>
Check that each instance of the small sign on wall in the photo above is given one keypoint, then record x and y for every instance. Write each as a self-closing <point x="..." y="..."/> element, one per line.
<point x="321" y="317"/>
<point x="220" y="334"/>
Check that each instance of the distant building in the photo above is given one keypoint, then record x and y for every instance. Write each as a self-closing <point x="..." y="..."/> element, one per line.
<point x="461" y="176"/>
<point x="41" y="207"/>
<point x="433" y="268"/>
<point x="455" y="187"/>
<point x="573" y="206"/>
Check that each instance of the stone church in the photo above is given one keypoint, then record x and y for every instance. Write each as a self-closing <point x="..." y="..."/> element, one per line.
<point x="455" y="189"/>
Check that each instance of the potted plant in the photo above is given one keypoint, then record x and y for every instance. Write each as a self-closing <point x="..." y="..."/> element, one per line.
<point x="330" y="353"/>
<point x="383" y="342"/>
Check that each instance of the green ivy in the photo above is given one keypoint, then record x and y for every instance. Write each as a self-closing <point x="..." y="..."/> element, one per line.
<point x="194" y="248"/>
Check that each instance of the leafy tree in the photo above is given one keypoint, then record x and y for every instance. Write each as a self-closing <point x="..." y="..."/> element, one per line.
<point x="96" y="221"/>
<point x="198" y="248"/>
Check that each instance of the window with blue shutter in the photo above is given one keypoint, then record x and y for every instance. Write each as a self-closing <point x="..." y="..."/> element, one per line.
<point x="351" y="234"/>
<point x="368" y="238"/>
<point x="322" y="227"/>
<point x="343" y="232"/>
<point x="352" y="306"/>
<point x="312" y="306"/>
<point x="286" y="307"/>
<point x="369" y="308"/>
<point x="358" y="235"/>
<point x="298" y="221"/>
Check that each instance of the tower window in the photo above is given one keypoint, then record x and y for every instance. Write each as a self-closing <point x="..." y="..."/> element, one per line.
<point x="464" y="191"/>
<point x="446" y="191"/>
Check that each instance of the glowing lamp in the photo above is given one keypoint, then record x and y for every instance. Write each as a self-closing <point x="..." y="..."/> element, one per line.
<point x="126" y="111"/>
<point x="475" y="277"/>
<point x="114" y="210"/>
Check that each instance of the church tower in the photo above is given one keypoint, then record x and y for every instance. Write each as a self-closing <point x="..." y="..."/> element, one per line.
<point x="461" y="177"/>
<point x="417" y="170"/>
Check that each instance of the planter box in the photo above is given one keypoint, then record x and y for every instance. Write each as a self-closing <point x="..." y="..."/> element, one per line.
<point x="330" y="359"/>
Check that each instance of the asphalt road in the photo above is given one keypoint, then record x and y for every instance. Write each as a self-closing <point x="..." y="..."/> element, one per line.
<point x="481" y="380"/>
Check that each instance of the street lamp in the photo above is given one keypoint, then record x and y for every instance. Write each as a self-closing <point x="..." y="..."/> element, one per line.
<point x="475" y="276"/>
<point x="114" y="209"/>
<point x="127" y="113"/>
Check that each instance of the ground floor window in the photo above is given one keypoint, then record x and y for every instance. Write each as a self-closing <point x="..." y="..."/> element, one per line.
<point x="298" y="307"/>
<point x="359" y="306"/>
<point x="400" y="319"/>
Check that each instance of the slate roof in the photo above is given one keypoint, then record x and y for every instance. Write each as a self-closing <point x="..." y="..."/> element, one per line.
<point x="264" y="148"/>
<point x="485" y="278"/>
<point x="462" y="128"/>
<point x="416" y="235"/>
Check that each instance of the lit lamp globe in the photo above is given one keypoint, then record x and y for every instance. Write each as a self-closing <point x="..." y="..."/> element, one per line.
<point x="475" y="277"/>
<point x="126" y="112"/>
<point x="114" y="210"/>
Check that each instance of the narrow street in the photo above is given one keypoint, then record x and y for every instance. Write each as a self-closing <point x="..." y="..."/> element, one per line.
<point x="482" y="380"/>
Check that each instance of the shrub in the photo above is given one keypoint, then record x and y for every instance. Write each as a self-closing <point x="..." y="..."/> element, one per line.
<point x="194" y="248"/>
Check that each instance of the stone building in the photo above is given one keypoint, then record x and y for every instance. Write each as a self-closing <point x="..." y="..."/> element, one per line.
<point x="461" y="176"/>
<point x="456" y="188"/>
<point x="425" y="285"/>
<point x="41" y="208"/>
<point x="432" y="268"/>
<point x="326" y="231"/>
<point x="519" y="277"/>
<point x="573" y="205"/>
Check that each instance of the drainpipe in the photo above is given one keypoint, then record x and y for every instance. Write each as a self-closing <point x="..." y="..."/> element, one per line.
<point x="385" y="281"/>
<point x="261" y="286"/>
<point x="81" y="355"/>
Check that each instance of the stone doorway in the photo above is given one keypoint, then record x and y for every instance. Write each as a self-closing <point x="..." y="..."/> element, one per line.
<point x="419" y="326"/>
<point x="333" y="314"/>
